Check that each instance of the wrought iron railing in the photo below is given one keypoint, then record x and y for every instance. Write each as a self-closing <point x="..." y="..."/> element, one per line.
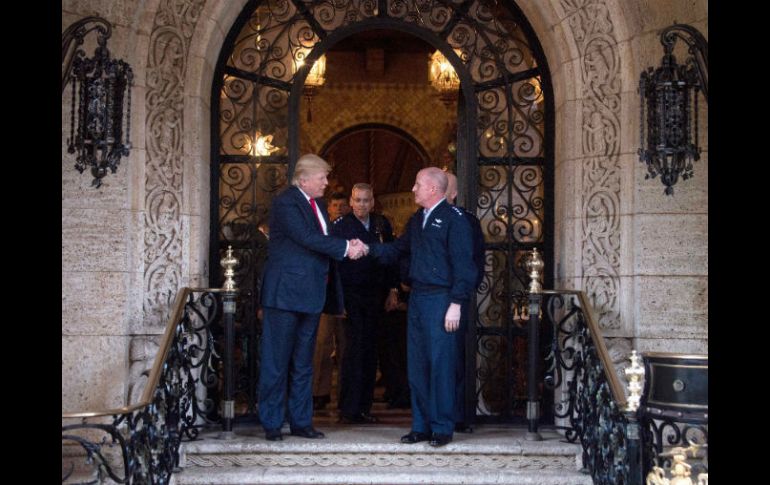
<point x="621" y="440"/>
<point x="139" y="444"/>
<point x="589" y="400"/>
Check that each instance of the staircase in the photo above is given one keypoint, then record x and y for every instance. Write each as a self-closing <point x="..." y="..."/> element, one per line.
<point x="373" y="455"/>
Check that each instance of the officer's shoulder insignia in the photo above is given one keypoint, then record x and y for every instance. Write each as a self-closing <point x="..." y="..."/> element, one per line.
<point x="458" y="211"/>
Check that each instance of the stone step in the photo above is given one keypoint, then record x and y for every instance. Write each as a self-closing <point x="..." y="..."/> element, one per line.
<point x="372" y="454"/>
<point x="378" y="475"/>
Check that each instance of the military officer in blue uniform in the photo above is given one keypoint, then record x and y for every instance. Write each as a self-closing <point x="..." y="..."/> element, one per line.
<point x="463" y="425"/>
<point x="439" y="243"/>
<point x="365" y="284"/>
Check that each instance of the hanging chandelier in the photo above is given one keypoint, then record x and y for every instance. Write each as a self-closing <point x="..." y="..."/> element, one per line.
<point x="443" y="78"/>
<point x="315" y="79"/>
<point x="101" y="101"/>
<point x="669" y="108"/>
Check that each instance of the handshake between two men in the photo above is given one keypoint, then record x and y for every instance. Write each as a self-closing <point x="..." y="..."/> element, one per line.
<point x="357" y="249"/>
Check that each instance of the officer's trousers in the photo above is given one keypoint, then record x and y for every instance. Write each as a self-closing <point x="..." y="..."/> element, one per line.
<point x="359" y="362"/>
<point x="432" y="353"/>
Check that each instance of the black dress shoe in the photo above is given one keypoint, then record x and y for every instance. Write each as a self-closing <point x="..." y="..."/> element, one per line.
<point x="273" y="435"/>
<point x="350" y="419"/>
<point x="440" y="439"/>
<point x="359" y="418"/>
<point x="414" y="437"/>
<point x="463" y="428"/>
<point x="368" y="418"/>
<point x="320" y="402"/>
<point x="308" y="432"/>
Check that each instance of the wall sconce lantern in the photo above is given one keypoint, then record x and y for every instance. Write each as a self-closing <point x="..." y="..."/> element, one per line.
<point x="443" y="78"/>
<point x="669" y="108"/>
<point x="101" y="88"/>
<point x="315" y="79"/>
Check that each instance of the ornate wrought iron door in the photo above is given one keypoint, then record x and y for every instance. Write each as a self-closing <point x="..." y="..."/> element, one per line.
<point x="504" y="151"/>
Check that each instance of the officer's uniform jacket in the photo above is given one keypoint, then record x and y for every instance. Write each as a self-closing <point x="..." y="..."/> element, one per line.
<point x="440" y="255"/>
<point x="479" y="248"/>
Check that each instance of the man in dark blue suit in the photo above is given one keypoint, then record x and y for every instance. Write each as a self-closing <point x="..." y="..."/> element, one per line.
<point x="298" y="284"/>
<point x="438" y="240"/>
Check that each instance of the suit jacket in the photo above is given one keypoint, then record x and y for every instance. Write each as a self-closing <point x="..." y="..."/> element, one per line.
<point x="298" y="275"/>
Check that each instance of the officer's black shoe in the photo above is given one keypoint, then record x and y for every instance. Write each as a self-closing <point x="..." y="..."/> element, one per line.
<point x="368" y="418"/>
<point x="273" y="435"/>
<point x="308" y="432"/>
<point x="320" y="402"/>
<point x="414" y="437"/>
<point x="358" y="418"/>
<point x="440" y="439"/>
<point x="463" y="428"/>
<point x="350" y="419"/>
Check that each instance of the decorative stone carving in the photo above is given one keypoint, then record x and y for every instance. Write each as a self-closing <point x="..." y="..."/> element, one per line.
<point x="619" y="350"/>
<point x="142" y="351"/>
<point x="600" y="205"/>
<point x="172" y="30"/>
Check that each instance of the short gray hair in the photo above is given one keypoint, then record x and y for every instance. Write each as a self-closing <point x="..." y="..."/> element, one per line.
<point x="307" y="165"/>
<point x="362" y="186"/>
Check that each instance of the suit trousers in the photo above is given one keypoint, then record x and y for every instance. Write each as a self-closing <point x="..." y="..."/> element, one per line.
<point x="359" y="363"/>
<point x="431" y="354"/>
<point x="288" y="342"/>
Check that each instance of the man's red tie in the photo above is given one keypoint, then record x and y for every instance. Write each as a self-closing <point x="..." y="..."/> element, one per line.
<point x="317" y="215"/>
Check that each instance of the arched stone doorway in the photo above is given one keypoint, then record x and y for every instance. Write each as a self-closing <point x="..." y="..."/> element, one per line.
<point x="504" y="147"/>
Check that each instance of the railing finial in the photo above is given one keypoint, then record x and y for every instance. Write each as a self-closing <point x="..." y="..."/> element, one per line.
<point x="229" y="262"/>
<point x="634" y="374"/>
<point x="534" y="266"/>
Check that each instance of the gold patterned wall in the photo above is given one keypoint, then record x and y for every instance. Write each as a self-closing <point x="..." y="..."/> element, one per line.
<point x="338" y="106"/>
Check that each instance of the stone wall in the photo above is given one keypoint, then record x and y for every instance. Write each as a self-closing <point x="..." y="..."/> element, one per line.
<point x="102" y="236"/>
<point x="641" y="256"/>
<point x="129" y="246"/>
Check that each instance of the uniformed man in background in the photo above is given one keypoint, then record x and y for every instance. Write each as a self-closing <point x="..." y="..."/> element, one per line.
<point x="439" y="242"/>
<point x="365" y="285"/>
